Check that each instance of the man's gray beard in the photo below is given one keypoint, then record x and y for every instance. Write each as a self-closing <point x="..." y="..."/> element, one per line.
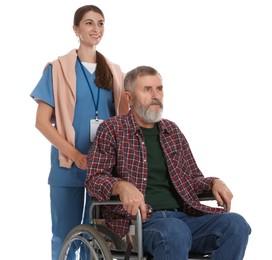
<point x="148" y="116"/>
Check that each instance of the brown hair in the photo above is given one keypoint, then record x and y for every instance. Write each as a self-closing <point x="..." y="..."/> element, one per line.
<point x="104" y="78"/>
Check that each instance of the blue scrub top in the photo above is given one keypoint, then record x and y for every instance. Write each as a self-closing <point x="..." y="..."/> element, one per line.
<point x="84" y="112"/>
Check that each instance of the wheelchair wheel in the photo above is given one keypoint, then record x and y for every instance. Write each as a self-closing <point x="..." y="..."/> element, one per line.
<point x="84" y="242"/>
<point x="113" y="240"/>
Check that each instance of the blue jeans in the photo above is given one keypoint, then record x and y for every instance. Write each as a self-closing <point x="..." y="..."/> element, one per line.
<point x="171" y="235"/>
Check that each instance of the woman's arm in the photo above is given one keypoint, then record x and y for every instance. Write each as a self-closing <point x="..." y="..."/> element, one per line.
<point x="44" y="125"/>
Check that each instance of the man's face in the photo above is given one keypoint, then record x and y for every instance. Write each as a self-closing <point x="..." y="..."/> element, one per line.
<point x="147" y="101"/>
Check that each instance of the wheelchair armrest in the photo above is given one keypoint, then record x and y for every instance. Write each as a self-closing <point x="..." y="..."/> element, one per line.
<point x="114" y="200"/>
<point x="206" y="195"/>
<point x="94" y="210"/>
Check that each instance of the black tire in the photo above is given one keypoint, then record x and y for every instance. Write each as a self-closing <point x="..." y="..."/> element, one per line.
<point x="87" y="243"/>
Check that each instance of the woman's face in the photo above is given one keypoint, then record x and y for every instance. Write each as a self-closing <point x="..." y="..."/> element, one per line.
<point x="90" y="29"/>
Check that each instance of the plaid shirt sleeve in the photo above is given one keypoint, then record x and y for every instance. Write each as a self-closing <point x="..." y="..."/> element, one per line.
<point x="101" y="164"/>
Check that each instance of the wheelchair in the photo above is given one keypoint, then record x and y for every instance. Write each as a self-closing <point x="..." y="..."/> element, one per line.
<point x="95" y="241"/>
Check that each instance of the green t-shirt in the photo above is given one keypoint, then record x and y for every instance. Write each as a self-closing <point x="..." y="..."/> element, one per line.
<point x="160" y="192"/>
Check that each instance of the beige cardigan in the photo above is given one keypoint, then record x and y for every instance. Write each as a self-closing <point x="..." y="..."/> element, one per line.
<point x="64" y="86"/>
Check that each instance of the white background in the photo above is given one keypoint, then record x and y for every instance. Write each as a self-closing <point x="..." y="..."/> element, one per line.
<point x="216" y="61"/>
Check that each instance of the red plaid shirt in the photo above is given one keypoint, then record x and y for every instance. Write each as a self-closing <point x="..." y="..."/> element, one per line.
<point x="119" y="152"/>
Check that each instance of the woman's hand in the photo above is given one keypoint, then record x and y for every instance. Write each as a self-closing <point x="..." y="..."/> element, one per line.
<point x="81" y="161"/>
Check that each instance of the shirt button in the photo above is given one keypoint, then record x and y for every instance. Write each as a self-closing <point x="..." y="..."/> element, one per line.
<point x="144" y="179"/>
<point x="144" y="160"/>
<point x="142" y="142"/>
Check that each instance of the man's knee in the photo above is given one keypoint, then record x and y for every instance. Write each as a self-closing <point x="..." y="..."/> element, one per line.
<point x="238" y="225"/>
<point x="169" y="239"/>
<point x="171" y="233"/>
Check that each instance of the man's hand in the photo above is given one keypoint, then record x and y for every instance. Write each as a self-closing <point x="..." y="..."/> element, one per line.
<point x="131" y="198"/>
<point x="222" y="194"/>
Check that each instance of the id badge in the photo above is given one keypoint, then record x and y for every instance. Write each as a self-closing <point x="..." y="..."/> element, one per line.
<point x="94" y="123"/>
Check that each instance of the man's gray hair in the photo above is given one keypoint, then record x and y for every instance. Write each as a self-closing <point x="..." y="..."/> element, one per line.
<point x="132" y="76"/>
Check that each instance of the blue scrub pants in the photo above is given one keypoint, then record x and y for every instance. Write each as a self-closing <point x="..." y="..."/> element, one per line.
<point x="170" y="235"/>
<point x="69" y="208"/>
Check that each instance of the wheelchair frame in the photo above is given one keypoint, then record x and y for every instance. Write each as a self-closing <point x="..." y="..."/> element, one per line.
<point x="91" y="241"/>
